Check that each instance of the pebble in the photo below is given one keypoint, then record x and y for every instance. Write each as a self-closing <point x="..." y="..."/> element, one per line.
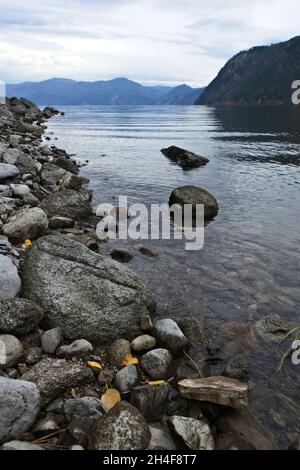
<point x="157" y="363"/>
<point x="51" y="340"/>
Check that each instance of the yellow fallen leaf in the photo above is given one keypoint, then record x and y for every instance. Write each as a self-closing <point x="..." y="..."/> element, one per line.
<point x="27" y="242"/>
<point x="110" y="398"/>
<point x="129" y="359"/>
<point x="94" y="364"/>
<point x="156" y="382"/>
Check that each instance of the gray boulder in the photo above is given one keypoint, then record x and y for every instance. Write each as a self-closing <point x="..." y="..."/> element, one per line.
<point x="168" y="334"/>
<point x="8" y="171"/>
<point x="184" y="158"/>
<point x="53" y="377"/>
<point x="194" y="195"/>
<point x="27" y="224"/>
<point x="19" y="316"/>
<point x="11" y="351"/>
<point x="157" y="363"/>
<point x="85" y="294"/>
<point x="68" y="203"/>
<point x="122" y="428"/>
<point x="10" y="283"/>
<point x="20" y="405"/>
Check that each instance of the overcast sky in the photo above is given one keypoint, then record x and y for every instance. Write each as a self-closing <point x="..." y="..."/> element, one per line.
<point x="151" y="41"/>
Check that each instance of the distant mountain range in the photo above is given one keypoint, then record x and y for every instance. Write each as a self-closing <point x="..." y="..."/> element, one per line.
<point x="120" y="91"/>
<point x="261" y="75"/>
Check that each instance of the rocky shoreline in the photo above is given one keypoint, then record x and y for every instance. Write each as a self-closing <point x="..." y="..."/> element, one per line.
<point x="83" y="362"/>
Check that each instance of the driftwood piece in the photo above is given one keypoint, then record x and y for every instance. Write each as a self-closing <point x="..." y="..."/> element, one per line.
<point x="220" y="390"/>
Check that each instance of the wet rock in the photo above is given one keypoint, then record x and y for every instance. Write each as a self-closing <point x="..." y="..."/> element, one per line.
<point x="218" y="390"/>
<point x="161" y="438"/>
<point x="51" y="340"/>
<point x="11" y="351"/>
<point x="143" y="343"/>
<point x="169" y="335"/>
<point x="194" y="195"/>
<point x="123" y="256"/>
<point x="248" y="429"/>
<point x="76" y="349"/>
<point x="8" y="171"/>
<point x="195" y="433"/>
<point x="10" y="283"/>
<point x="184" y="158"/>
<point x="271" y="328"/>
<point x="53" y="377"/>
<point x="157" y="363"/>
<point x="20" y="405"/>
<point x="126" y="378"/>
<point x="68" y="203"/>
<point x="231" y="441"/>
<point x="27" y="224"/>
<point x="33" y="356"/>
<point x="146" y="251"/>
<point x="83" y="407"/>
<point x="150" y="400"/>
<point x="19" y="316"/>
<point x="20" y="445"/>
<point x="86" y="294"/>
<point x="122" y="428"/>
<point x="67" y="164"/>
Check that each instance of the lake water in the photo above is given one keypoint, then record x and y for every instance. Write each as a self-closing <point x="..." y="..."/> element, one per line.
<point x="249" y="266"/>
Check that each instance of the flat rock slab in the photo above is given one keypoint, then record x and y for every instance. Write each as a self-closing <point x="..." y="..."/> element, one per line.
<point x="53" y="377"/>
<point x="219" y="390"/>
<point x="85" y="294"/>
<point x="184" y="158"/>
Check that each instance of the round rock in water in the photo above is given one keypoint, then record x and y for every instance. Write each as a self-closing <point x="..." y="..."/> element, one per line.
<point x="20" y="405"/>
<point x="194" y="195"/>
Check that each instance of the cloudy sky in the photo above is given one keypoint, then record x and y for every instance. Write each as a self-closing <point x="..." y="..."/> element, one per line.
<point x="151" y="41"/>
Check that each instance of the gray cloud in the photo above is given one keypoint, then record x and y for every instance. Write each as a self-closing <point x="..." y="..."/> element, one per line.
<point x="157" y="41"/>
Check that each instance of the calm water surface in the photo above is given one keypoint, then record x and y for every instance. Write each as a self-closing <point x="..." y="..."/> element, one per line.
<point x="249" y="266"/>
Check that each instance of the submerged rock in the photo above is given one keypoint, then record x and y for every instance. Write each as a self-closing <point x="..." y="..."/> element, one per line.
<point x="122" y="428"/>
<point x="186" y="159"/>
<point x="20" y="405"/>
<point x="194" y="195"/>
<point x="85" y="294"/>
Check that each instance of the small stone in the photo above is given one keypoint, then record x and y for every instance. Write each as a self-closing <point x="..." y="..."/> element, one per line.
<point x="20" y="445"/>
<point x="19" y="190"/>
<point x="12" y="373"/>
<point x="161" y="438"/>
<point x="157" y="363"/>
<point x="8" y="171"/>
<point x="169" y="335"/>
<point x="81" y="429"/>
<point x="51" y="340"/>
<point x="146" y="322"/>
<point x="122" y="428"/>
<point x="10" y="282"/>
<point x="78" y="348"/>
<point x="20" y="405"/>
<point x="83" y="407"/>
<point x="144" y="250"/>
<point x="126" y="378"/>
<point x="22" y="368"/>
<point x="11" y="351"/>
<point x="118" y="350"/>
<point x="33" y="356"/>
<point x="195" y="433"/>
<point x="19" y="316"/>
<point x="105" y="376"/>
<point x="151" y="400"/>
<point x="45" y="426"/>
<point x="143" y="343"/>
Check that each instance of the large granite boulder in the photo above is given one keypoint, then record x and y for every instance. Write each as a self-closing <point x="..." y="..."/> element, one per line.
<point x="87" y="295"/>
